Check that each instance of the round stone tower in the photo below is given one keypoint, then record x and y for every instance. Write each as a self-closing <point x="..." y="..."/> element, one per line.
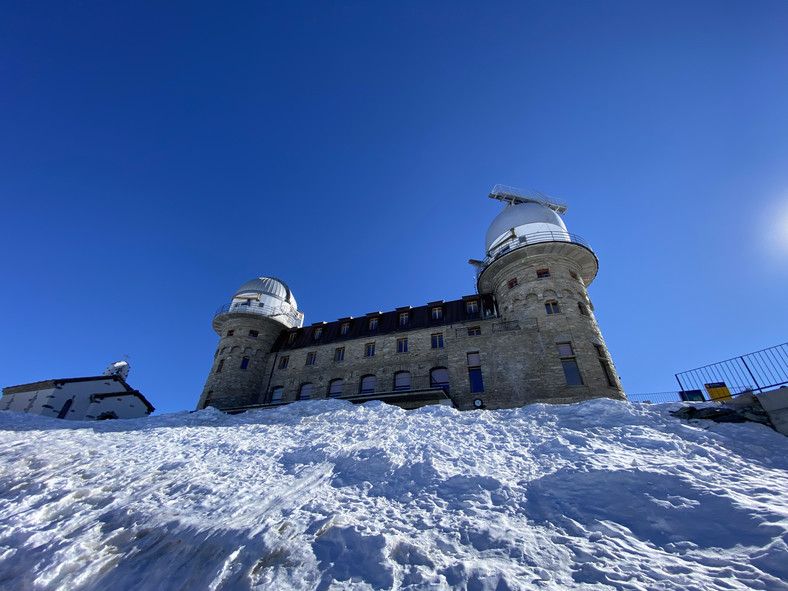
<point x="248" y="326"/>
<point x="538" y="273"/>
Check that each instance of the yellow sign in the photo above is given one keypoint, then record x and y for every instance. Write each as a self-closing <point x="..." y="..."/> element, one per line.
<point x="718" y="391"/>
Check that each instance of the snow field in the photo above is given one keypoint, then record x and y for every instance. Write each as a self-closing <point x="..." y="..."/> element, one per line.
<point x="327" y="495"/>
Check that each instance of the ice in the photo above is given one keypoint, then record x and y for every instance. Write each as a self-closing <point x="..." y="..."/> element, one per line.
<point x="328" y="495"/>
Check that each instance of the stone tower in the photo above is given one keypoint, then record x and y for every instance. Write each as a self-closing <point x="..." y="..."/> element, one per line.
<point x="538" y="273"/>
<point x="248" y="327"/>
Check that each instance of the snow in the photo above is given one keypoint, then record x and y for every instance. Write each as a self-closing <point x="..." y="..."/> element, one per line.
<point x="327" y="495"/>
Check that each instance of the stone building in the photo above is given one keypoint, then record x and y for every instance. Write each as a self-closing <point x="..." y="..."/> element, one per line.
<point x="529" y="334"/>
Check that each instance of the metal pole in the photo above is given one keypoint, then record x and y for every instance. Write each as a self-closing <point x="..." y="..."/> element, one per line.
<point x="744" y="361"/>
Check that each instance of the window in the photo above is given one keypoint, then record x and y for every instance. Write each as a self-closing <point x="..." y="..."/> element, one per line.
<point x="305" y="393"/>
<point x="401" y="381"/>
<point x="475" y="379"/>
<point x="276" y="393"/>
<point x="311" y="357"/>
<point x="573" y="275"/>
<point x="244" y="363"/>
<point x="369" y="350"/>
<point x="373" y="324"/>
<point x="437" y="313"/>
<point x="344" y="328"/>
<point x="439" y="378"/>
<point x="474" y="332"/>
<point x="437" y="341"/>
<point x="335" y="388"/>
<point x="543" y="273"/>
<point x="404" y="317"/>
<point x="552" y="307"/>
<point x="472" y="307"/>
<point x="568" y="362"/>
<point x="474" y="358"/>
<point x="582" y="308"/>
<point x="230" y="333"/>
<point x="317" y="333"/>
<point x="402" y="345"/>
<point x="283" y="362"/>
<point x="368" y="384"/>
<point x="339" y="354"/>
<point x="512" y="282"/>
<point x="220" y="366"/>
<point x="291" y="339"/>
<point x="600" y="351"/>
<point x="254" y="333"/>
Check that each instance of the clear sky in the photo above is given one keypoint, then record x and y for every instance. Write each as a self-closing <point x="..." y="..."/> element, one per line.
<point x="154" y="157"/>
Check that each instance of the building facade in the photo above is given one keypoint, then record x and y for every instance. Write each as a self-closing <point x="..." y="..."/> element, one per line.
<point x="107" y="396"/>
<point x="529" y="334"/>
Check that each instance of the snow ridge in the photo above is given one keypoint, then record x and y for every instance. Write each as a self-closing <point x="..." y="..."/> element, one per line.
<point x="327" y="495"/>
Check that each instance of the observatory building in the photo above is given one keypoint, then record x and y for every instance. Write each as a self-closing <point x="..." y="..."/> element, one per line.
<point x="528" y="335"/>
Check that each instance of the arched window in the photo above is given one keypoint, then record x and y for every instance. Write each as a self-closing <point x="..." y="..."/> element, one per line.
<point x="276" y="394"/>
<point x="368" y="384"/>
<point x="439" y="378"/>
<point x="305" y="393"/>
<point x="402" y="381"/>
<point x="335" y="388"/>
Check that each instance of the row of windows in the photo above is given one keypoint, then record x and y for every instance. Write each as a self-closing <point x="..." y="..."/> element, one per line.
<point x="436" y="313"/>
<point x="540" y="274"/>
<point x="439" y="378"/>
<point x="436" y="342"/>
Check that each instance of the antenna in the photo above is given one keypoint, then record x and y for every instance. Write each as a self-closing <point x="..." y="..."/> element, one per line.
<point x="515" y="196"/>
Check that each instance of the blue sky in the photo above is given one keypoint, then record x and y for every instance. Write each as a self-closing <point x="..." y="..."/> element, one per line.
<point x="155" y="157"/>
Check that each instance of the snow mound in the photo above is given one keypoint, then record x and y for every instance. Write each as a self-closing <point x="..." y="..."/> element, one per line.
<point x="327" y="495"/>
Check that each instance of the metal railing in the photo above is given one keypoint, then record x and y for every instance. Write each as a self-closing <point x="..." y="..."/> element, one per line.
<point x="513" y="244"/>
<point x="294" y="315"/>
<point x="753" y="372"/>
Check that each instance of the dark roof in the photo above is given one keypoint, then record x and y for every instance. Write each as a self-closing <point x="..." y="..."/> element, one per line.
<point x="53" y="383"/>
<point x="388" y="323"/>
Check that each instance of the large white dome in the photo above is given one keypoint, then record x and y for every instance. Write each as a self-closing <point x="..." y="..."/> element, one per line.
<point x="524" y="218"/>
<point x="270" y="286"/>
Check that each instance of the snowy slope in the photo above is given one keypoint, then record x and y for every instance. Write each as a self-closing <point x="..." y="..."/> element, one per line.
<point x="326" y="495"/>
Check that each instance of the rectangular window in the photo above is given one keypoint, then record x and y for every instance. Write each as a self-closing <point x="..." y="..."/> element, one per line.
<point x="403" y="318"/>
<point x="437" y="341"/>
<point x="369" y="350"/>
<point x="543" y="273"/>
<point x="344" y="328"/>
<point x="339" y="354"/>
<point x="569" y="364"/>
<point x="600" y="351"/>
<point x="311" y="358"/>
<point x="474" y="332"/>
<point x="230" y="333"/>
<point x="283" y="362"/>
<point x="291" y="339"/>
<point x="582" y="308"/>
<point x="552" y="307"/>
<point x="244" y="363"/>
<point x="373" y="324"/>
<point x="317" y="333"/>
<point x="474" y="358"/>
<point x="220" y="366"/>
<point x="402" y="345"/>
<point x="437" y="313"/>
<point x="472" y="307"/>
<point x="254" y="333"/>
<point x="512" y="282"/>
<point x="475" y="379"/>
<point x="276" y="394"/>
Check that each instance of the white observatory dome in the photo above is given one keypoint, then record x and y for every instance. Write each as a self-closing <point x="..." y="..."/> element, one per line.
<point x="525" y="218"/>
<point x="267" y="288"/>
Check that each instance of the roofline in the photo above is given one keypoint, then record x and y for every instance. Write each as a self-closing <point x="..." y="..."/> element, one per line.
<point x="43" y="384"/>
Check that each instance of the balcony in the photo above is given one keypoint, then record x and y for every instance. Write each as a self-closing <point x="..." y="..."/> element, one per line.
<point x="293" y="316"/>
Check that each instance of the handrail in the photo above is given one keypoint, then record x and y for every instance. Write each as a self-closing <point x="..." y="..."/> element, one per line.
<point x="528" y="240"/>
<point x="262" y="310"/>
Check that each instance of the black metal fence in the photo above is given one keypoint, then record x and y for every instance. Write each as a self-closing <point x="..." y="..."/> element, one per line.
<point x="754" y="372"/>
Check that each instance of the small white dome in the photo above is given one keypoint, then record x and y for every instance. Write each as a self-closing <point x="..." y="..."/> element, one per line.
<point x="270" y="286"/>
<point x="524" y="218"/>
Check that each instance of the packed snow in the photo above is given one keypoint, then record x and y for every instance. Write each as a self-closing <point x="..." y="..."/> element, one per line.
<point x="327" y="495"/>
